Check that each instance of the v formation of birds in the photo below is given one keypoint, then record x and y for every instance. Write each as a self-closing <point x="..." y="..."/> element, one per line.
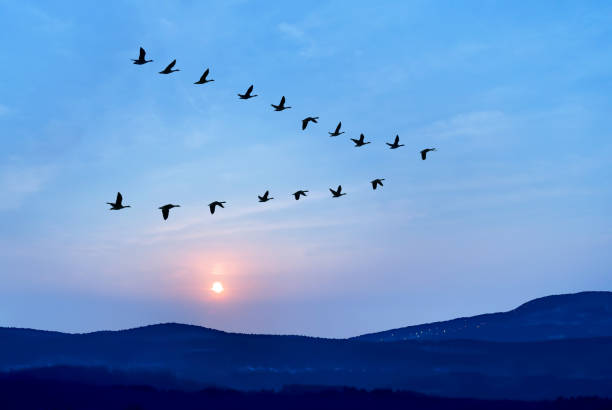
<point x="336" y="193"/>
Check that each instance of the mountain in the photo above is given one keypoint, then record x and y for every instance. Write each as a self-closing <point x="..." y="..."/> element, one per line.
<point x="193" y="357"/>
<point x="578" y="315"/>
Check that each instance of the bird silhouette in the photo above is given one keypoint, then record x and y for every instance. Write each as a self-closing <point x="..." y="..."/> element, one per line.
<point x="337" y="131"/>
<point x="169" y="70"/>
<point x="203" y="79"/>
<point x="281" y="105"/>
<point x="360" y="142"/>
<point x="214" y="204"/>
<point x="338" y="192"/>
<point x="117" y="205"/>
<point x="425" y="151"/>
<point x="306" y="120"/>
<point x="166" y="210"/>
<point x="377" y="182"/>
<point x="264" y="198"/>
<point x="141" y="58"/>
<point x="395" y="144"/>
<point x="299" y="193"/>
<point x="247" y="95"/>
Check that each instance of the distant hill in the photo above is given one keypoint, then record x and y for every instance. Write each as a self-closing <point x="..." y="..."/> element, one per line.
<point x="182" y="356"/>
<point x="578" y="315"/>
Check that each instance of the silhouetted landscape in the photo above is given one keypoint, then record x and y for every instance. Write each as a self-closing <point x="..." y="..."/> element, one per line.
<point x="558" y="346"/>
<point x="100" y="390"/>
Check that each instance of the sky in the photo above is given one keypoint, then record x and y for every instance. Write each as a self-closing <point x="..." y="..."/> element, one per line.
<point x="515" y="204"/>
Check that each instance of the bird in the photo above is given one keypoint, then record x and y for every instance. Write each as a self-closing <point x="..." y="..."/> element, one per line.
<point x="360" y="142"/>
<point x="395" y="144"/>
<point x="118" y="203"/>
<point x="141" y="58"/>
<point x="214" y="204"/>
<point x="306" y="120"/>
<point x="425" y="151"/>
<point x="247" y="95"/>
<point x="203" y="79"/>
<point x="169" y="70"/>
<point x="337" y="131"/>
<point x="299" y="193"/>
<point x="264" y="198"/>
<point x="280" y="106"/>
<point x="338" y="192"/>
<point x="376" y="182"/>
<point x="166" y="210"/>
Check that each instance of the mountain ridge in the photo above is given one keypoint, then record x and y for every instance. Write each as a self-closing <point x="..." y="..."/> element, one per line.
<point x="177" y="353"/>
<point x="600" y="299"/>
<point x="572" y="315"/>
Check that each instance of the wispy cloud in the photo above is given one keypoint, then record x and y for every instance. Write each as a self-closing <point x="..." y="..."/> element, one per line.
<point x="4" y="110"/>
<point x="309" y="47"/>
<point x="18" y="182"/>
<point x="471" y="124"/>
<point x="291" y="30"/>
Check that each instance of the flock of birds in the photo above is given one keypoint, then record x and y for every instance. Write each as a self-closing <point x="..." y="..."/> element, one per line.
<point x="336" y="193"/>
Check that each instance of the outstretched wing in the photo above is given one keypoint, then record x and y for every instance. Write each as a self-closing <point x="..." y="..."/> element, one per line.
<point x="249" y="90"/>
<point x="282" y="102"/>
<point x="170" y="65"/>
<point x="396" y="140"/>
<point x="424" y="154"/>
<point x="338" y="127"/>
<point x="212" y="207"/>
<point x="142" y="54"/>
<point x="355" y="141"/>
<point x="361" y="137"/>
<point x="304" y="123"/>
<point x="373" y="184"/>
<point x="119" y="199"/>
<point x="333" y="192"/>
<point x="339" y="189"/>
<point x="165" y="213"/>
<point x="297" y="195"/>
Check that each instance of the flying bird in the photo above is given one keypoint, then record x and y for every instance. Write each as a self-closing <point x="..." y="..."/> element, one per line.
<point x="118" y="203"/>
<point x="214" y="204"/>
<point x="306" y="120"/>
<point x="360" y="142"/>
<point x="169" y="70"/>
<point x="377" y="182"/>
<point x="338" y="192"/>
<point x="395" y="144"/>
<point x="247" y="95"/>
<point x="141" y="58"/>
<point x="281" y="106"/>
<point x="425" y="151"/>
<point x="203" y="79"/>
<point x="337" y="131"/>
<point x="166" y="210"/>
<point x="264" y="198"/>
<point x="299" y="193"/>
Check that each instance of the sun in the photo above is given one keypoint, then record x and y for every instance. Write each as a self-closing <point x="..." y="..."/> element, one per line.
<point x="217" y="287"/>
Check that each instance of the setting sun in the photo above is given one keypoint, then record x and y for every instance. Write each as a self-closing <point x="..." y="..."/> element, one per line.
<point x="217" y="287"/>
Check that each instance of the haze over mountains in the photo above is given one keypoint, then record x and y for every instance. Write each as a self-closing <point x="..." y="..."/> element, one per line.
<point x="553" y="346"/>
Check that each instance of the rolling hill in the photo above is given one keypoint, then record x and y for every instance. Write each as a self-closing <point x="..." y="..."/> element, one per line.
<point x="570" y="358"/>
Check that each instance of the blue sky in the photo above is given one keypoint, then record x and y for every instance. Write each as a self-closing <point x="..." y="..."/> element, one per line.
<point x="514" y="205"/>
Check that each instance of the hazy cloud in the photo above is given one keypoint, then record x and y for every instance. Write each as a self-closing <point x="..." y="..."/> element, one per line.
<point x="16" y="183"/>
